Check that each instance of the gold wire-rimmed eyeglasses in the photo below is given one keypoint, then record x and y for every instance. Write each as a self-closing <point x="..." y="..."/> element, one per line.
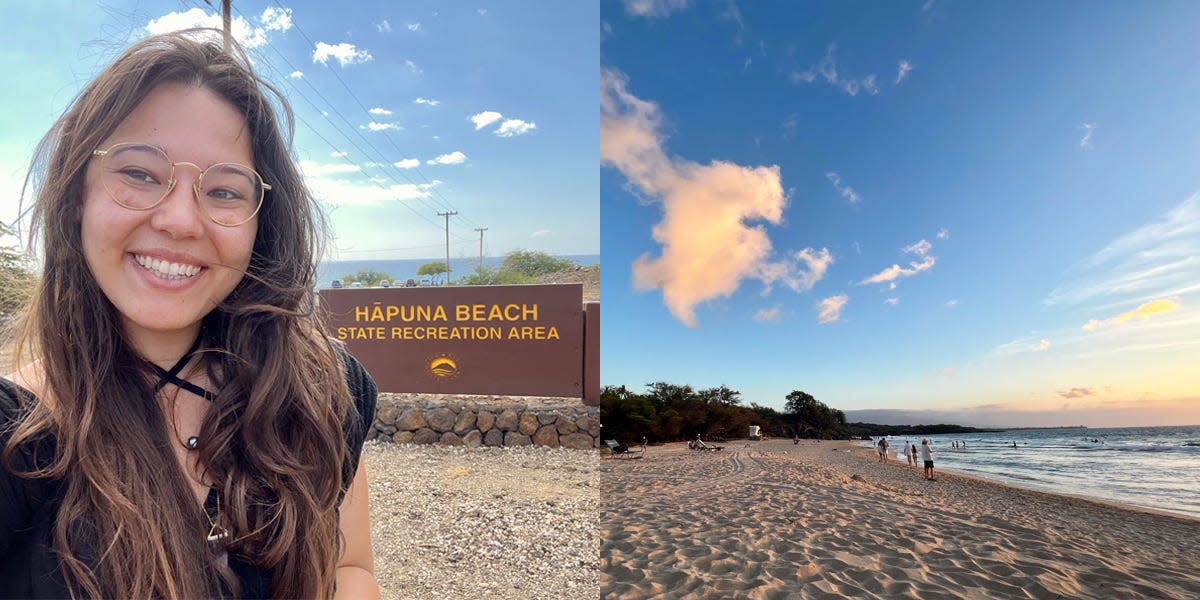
<point x="139" y="176"/>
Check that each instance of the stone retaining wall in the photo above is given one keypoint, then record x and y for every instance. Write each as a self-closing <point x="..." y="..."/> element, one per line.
<point x="475" y="421"/>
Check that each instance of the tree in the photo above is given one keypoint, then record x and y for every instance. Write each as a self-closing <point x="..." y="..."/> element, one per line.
<point x="490" y="276"/>
<point x="16" y="280"/>
<point x="533" y="264"/>
<point x="434" y="268"/>
<point x="367" y="277"/>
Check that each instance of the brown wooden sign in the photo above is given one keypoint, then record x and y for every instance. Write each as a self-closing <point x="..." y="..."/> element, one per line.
<point x="523" y="340"/>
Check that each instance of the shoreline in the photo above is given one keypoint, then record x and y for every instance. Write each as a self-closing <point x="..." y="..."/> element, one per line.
<point x="869" y="454"/>
<point x="777" y="520"/>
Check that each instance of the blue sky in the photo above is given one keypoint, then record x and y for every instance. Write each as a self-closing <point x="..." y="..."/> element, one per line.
<point x="482" y="108"/>
<point x="978" y="212"/>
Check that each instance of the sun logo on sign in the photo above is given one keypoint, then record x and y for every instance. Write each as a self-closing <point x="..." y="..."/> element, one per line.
<point x="443" y="366"/>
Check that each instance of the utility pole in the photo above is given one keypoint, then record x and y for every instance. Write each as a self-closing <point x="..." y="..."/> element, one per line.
<point x="225" y="10"/>
<point x="448" y="215"/>
<point x="481" y="247"/>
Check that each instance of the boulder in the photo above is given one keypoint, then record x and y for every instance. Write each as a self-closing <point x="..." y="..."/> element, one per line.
<point x="449" y="439"/>
<point x="529" y="423"/>
<point x="546" y="418"/>
<point x="425" y="436"/>
<point x="465" y="422"/>
<point x="411" y="420"/>
<point x="589" y="424"/>
<point x="484" y="420"/>
<point x="404" y="437"/>
<point x="383" y="437"/>
<point x="473" y="439"/>
<point x="386" y="413"/>
<point x="566" y="425"/>
<point x="388" y="429"/>
<point x="547" y="435"/>
<point x="514" y="438"/>
<point x="440" y="419"/>
<point x="493" y="438"/>
<point x="576" y="441"/>
<point x="507" y="420"/>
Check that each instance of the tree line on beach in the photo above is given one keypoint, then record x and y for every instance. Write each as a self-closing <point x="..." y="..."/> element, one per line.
<point x="669" y="412"/>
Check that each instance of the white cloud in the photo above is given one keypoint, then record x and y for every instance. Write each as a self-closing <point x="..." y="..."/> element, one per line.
<point x="427" y="101"/>
<point x="276" y="19"/>
<point x="711" y="232"/>
<point x="1031" y="343"/>
<point x="380" y="111"/>
<point x="314" y="169"/>
<point x="829" y="310"/>
<point x="248" y="35"/>
<point x="383" y="26"/>
<point x="407" y="163"/>
<point x="511" y="127"/>
<point x="377" y="126"/>
<point x="345" y="54"/>
<point x="943" y="234"/>
<point x="481" y="11"/>
<point x="412" y="66"/>
<point x="927" y="6"/>
<point x="868" y="84"/>
<point x="902" y="72"/>
<point x="540" y="233"/>
<point x="920" y="248"/>
<point x="413" y="26"/>
<point x="951" y="303"/>
<point x="1086" y="142"/>
<point x="1156" y="260"/>
<point x="654" y="8"/>
<point x="767" y="314"/>
<point x="826" y="69"/>
<point x="847" y="192"/>
<point x="453" y="158"/>
<point x="338" y="192"/>
<point x="338" y="154"/>
<point x="892" y="301"/>
<point x="485" y="118"/>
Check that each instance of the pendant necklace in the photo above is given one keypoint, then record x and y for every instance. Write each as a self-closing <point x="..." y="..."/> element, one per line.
<point x="171" y="375"/>
<point x="217" y="534"/>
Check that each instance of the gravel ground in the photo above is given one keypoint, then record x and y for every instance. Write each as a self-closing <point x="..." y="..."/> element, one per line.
<point x="486" y="522"/>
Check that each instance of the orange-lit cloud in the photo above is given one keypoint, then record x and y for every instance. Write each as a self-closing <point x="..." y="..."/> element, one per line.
<point x="709" y="241"/>
<point x="1144" y="311"/>
<point x="830" y="309"/>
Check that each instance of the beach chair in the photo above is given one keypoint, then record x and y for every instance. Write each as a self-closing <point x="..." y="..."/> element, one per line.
<point x="619" y="450"/>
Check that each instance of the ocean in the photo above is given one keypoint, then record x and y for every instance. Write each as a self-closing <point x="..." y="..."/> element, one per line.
<point x="403" y="269"/>
<point x="1150" y="467"/>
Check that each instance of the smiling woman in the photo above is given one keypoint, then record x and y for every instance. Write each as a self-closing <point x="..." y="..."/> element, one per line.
<point x="183" y="427"/>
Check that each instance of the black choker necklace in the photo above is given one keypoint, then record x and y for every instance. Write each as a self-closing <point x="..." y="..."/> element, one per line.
<point x="171" y="375"/>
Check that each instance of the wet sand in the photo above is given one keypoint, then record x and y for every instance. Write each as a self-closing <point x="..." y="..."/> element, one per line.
<point x="825" y="520"/>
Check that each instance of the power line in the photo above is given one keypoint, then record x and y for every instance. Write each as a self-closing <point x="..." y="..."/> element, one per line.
<point x="377" y="153"/>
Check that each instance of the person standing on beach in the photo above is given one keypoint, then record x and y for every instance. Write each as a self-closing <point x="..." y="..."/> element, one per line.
<point x="643" y="444"/>
<point x="180" y="423"/>
<point x="927" y="456"/>
<point x="908" y="453"/>
<point x="913" y="454"/>
<point x="882" y="448"/>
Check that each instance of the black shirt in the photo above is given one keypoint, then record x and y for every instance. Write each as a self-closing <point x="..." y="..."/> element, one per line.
<point x="28" y="565"/>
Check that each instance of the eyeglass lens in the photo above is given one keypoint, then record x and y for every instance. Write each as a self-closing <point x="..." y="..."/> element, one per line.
<point x="138" y="176"/>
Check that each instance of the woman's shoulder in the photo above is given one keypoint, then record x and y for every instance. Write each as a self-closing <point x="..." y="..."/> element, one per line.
<point x="361" y="384"/>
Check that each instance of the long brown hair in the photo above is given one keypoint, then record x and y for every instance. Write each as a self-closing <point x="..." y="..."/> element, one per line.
<point x="274" y="441"/>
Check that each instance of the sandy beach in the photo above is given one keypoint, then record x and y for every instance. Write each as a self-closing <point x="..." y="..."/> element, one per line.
<point x="825" y="520"/>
